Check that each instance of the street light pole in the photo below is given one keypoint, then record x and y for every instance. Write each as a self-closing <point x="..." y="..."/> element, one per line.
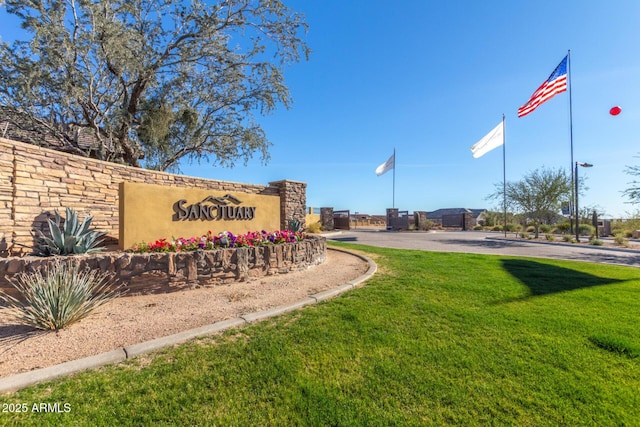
<point x="577" y="211"/>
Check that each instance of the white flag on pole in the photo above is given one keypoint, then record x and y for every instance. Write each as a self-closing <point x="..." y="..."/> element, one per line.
<point x="387" y="166"/>
<point x="492" y="140"/>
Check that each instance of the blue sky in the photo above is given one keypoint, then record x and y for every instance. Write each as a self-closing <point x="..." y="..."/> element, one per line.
<point x="430" y="78"/>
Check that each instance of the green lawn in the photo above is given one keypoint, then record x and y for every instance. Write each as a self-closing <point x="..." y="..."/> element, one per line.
<point x="432" y="339"/>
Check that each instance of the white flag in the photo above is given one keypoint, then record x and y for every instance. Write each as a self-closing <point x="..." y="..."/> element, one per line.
<point x="387" y="166"/>
<point x="493" y="139"/>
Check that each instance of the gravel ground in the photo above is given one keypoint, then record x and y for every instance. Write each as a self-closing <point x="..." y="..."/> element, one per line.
<point x="131" y="320"/>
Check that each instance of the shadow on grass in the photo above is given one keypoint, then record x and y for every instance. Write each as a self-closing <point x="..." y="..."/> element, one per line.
<point x="484" y="243"/>
<point x="616" y="345"/>
<point x="545" y="279"/>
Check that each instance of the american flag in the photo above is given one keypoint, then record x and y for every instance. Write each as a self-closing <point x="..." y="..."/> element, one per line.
<point x="556" y="83"/>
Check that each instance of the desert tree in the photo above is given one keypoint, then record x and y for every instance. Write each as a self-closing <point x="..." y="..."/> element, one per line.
<point x="633" y="192"/>
<point x="153" y="81"/>
<point x="495" y="216"/>
<point x="538" y="196"/>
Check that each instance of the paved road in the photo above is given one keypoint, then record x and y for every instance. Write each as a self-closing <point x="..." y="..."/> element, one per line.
<point x="487" y="243"/>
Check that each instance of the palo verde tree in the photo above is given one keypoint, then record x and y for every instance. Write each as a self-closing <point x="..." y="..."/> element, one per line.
<point x="495" y="217"/>
<point x="633" y="192"/>
<point x="539" y="194"/>
<point x="158" y="80"/>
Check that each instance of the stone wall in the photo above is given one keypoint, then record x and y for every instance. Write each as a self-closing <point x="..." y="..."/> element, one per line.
<point x="34" y="181"/>
<point x="166" y="272"/>
<point x="421" y="221"/>
<point x="293" y="201"/>
<point x="326" y="218"/>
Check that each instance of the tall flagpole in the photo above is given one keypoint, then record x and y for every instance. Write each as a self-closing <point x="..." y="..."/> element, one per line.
<point x="393" y="205"/>
<point x="504" y="175"/>
<point x="573" y="196"/>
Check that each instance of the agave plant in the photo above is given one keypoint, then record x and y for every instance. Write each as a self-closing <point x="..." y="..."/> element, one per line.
<point x="58" y="295"/>
<point x="294" y="225"/>
<point x="73" y="237"/>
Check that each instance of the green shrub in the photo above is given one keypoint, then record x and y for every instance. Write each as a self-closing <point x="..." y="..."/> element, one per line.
<point x="525" y="235"/>
<point x="620" y="239"/>
<point x="563" y="227"/>
<point x="497" y="228"/>
<point x="550" y="237"/>
<point x="627" y="225"/>
<point x="512" y="227"/>
<point x="531" y="229"/>
<point x="567" y="238"/>
<point x="477" y="228"/>
<point x="586" y="230"/>
<point x="596" y="242"/>
<point x="616" y="230"/>
<point x="429" y="225"/>
<point x="316" y="227"/>
<point x="58" y="295"/>
<point x="545" y="228"/>
<point x="73" y="237"/>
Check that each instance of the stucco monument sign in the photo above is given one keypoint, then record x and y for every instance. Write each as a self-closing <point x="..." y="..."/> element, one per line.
<point x="149" y="212"/>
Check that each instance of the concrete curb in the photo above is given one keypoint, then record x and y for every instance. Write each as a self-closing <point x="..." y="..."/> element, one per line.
<point x="570" y="245"/>
<point x="19" y="381"/>
<point x="331" y="293"/>
<point x="330" y="234"/>
<point x="181" y="337"/>
<point x="276" y="311"/>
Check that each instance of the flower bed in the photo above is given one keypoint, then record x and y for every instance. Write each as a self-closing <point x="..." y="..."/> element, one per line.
<point x="222" y="240"/>
<point x="163" y="270"/>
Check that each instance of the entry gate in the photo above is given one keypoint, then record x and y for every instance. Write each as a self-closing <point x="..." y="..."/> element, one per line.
<point x="341" y="220"/>
<point x="455" y="221"/>
<point x="397" y="220"/>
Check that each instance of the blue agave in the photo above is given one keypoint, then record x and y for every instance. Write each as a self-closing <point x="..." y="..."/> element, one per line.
<point x="294" y="225"/>
<point x="73" y="237"/>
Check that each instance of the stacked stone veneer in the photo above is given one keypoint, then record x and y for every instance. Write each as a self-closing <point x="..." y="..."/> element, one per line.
<point x="166" y="272"/>
<point x="35" y="181"/>
<point x="293" y="201"/>
<point x="326" y="218"/>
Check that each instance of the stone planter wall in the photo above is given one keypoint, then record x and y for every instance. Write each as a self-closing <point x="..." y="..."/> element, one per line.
<point x="167" y="272"/>
<point x="35" y="181"/>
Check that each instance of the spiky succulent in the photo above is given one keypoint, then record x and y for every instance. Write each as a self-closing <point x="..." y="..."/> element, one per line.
<point x="294" y="225"/>
<point x="73" y="237"/>
<point x="58" y="295"/>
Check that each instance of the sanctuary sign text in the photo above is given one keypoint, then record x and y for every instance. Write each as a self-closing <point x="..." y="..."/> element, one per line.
<point x="213" y="208"/>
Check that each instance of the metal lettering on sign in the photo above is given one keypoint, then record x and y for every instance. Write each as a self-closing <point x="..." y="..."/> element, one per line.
<point x="213" y="209"/>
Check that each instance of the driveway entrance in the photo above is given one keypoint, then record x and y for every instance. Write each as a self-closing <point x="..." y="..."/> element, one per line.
<point x="489" y="243"/>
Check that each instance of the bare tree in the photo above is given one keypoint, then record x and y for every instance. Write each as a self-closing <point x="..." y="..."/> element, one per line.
<point x="158" y="80"/>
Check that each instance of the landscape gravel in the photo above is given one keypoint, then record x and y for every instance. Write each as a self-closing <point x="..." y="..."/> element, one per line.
<point x="133" y="319"/>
